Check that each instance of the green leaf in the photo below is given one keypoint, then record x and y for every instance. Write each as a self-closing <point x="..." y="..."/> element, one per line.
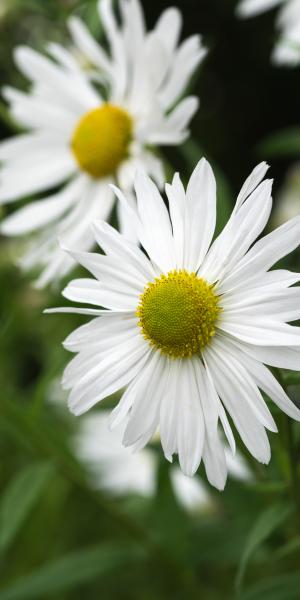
<point x="285" y="143"/>
<point x="266" y="523"/>
<point x="192" y="153"/>
<point x="289" y="548"/>
<point x="73" y="570"/>
<point x="19" y="499"/>
<point x="284" y="587"/>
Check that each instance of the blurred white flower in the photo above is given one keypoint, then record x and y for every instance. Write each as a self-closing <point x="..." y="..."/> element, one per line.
<point x="119" y="470"/>
<point x="287" y="48"/>
<point x="188" y="325"/>
<point x="288" y="199"/>
<point x="86" y="135"/>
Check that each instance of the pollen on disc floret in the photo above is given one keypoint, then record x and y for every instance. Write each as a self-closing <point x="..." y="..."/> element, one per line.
<point x="177" y="313"/>
<point x="101" y="140"/>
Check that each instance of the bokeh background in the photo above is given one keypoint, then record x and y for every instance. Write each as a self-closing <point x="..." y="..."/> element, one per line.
<point x="76" y="519"/>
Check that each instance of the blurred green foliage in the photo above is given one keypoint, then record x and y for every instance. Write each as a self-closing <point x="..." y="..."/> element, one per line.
<point x="59" y="538"/>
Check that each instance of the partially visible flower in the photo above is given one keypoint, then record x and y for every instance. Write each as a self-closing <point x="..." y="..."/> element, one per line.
<point x="188" y="325"/>
<point x="287" y="48"/>
<point x="90" y="127"/>
<point x="288" y="200"/>
<point x="119" y="470"/>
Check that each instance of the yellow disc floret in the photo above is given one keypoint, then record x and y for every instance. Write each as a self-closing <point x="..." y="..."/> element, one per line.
<point x="178" y="312"/>
<point x="101" y="140"/>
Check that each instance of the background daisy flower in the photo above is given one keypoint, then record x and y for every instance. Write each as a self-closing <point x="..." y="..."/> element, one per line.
<point x="188" y="327"/>
<point x="87" y="128"/>
<point x="287" y="48"/>
<point x="121" y="471"/>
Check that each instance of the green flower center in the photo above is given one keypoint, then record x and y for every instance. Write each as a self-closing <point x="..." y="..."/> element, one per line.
<point x="178" y="312"/>
<point x="101" y="140"/>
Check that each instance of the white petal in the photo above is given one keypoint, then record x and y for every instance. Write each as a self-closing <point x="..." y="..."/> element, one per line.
<point x="265" y="380"/>
<point x="242" y="379"/>
<point x="20" y="145"/>
<point x="185" y="61"/>
<point x="112" y="273"/>
<point x="38" y="214"/>
<point x="281" y="305"/>
<point x="91" y="291"/>
<point x="116" y="372"/>
<point x="116" y="44"/>
<point x="145" y="410"/>
<point x="87" y="45"/>
<point x="241" y="230"/>
<point x="261" y="332"/>
<point x="101" y="333"/>
<point x="222" y="414"/>
<point x="282" y="357"/>
<point x="169" y="26"/>
<point x="250" y="429"/>
<point x="172" y="130"/>
<point x="86" y="366"/>
<point x="251" y="183"/>
<point x="74" y="310"/>
<point x="213" y="451"/>
<point x="249" y="8"/>
<point x="155" y="233"/>
<point x="267" y="251"/>
<point x="122" y="249"/>
<point x="65" y="58"/>
<point x="169" y="412"/>
<point x="37" y="112"/>
<point x="190" y="423"/>
<point x="177" y="205"/>
<point x="40" y="69"/>
<point x="200" y="215"/>
<point x="21" y="181"/>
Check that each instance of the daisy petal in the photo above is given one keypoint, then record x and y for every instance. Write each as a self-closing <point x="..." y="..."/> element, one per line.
<point x="113" y="373"/>
<point x="190" y="425"/>
<point x="265" y="380"/>
<point x="89" y="290"/>
<point x="251" y="431"/>
<point x="200" y="214"/>
<point x="155" y="232"/>
<point x="42" y="212"/>
<point x="267" y="251"/>
<point x="213" y="451"/>
<point x="17" y="182"/>
<point x="261" y="332"/>
<point x="145" y="411"/>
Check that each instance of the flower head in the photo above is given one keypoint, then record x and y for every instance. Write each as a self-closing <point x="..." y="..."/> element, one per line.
<point x="287" y="48"/>
<point x="188" y="324"/>
<point x="88" y="127"/>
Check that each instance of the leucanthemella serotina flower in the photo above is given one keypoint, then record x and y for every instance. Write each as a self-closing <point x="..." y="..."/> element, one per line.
<point x="188" y="324"/>
<point x="287" y="48"/>
<point x="88" y="128"/>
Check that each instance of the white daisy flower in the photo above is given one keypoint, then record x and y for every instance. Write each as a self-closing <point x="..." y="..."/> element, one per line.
<point x="121" y="471"/>
<point x="188" y="326"/>
<point x="287" y="48"/>
<point x="83" y="135"/>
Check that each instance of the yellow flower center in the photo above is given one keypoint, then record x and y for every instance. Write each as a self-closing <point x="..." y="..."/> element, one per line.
<point x="178" y="312"/>
<point x="101" y="140"/>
